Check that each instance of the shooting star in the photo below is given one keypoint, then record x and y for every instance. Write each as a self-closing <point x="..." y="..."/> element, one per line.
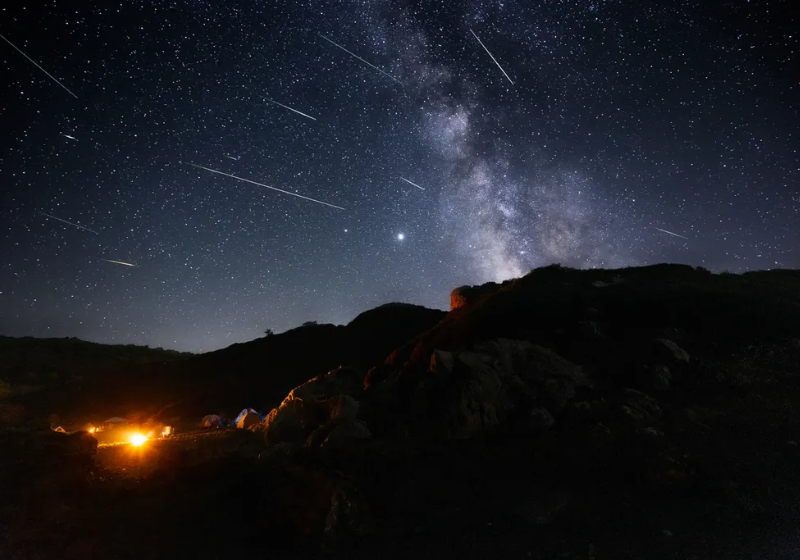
<point x="490" y="54"/>
<point x="287" y="107"/>
<point x="266" y="186"/>
<point x="410" y="183"/>
<point x="233" y="158"/>
<point x="670" y="233"/>
<point x="39" y="67"/>
<point x="68" y="136"/>
<point x="119" y="262"/>
<point x="362" y="60"/>
<point x="71" y="223"/>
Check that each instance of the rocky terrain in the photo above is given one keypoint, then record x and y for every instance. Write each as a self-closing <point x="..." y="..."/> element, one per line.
<point x="634" y="413"/>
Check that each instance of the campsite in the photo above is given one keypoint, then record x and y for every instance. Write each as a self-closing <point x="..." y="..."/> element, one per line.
<point x="641" y="413"/>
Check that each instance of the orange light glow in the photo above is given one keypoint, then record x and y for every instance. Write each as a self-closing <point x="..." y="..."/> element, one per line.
<point x="167" y="431"/>
<point x="92" y="430"/>
<point x="137" y="439"/>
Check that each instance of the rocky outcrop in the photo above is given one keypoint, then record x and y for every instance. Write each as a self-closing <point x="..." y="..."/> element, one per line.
<point x="670" y="352"/>
<point x="316" y="408"/>
<point x="466" y="295"/>
<point x="317" y="506"/>
<point x="500" y="385"/>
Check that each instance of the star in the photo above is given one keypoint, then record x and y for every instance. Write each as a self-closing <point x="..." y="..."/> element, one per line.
<point x="401" y="236"/>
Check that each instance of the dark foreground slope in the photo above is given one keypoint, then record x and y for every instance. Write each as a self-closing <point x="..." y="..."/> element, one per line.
<point x="641" y="413"/>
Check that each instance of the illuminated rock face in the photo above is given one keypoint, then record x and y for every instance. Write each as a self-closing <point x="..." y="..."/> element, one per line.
<point x="466" y="295"/>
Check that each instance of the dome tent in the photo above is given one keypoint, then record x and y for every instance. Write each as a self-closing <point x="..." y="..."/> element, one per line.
<point x="247" y="418"/>
<point x="212" y="421"/>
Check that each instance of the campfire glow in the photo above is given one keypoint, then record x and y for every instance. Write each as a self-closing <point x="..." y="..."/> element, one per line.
<point x="137" y="439"/>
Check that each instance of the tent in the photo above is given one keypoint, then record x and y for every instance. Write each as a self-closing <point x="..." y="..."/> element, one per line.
<point x="247" y="420"/>
<point x="212" y="421"/>
<point x="244" y="413"/>
<point x="114" y="422"/>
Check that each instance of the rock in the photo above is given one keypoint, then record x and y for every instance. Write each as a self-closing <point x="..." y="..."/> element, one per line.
<point x="494" y="387"/>
<point x="656" y="378"/>
<point x="347" y="518"/>
<point x="344" y="407"/>
<point x="590" y="410"/>
<point x="600" y="436"/>
<point x="319" y="506"/>
<point x="559" y="391"/>
<point x="589" y="330"/>
<point x="466" y="295"/>
<point x="540" y="420"/>
<point x="640" y="409"/>
<point x="346" y="431"/>
<point x="314" y="404"/>
<point x="669" y="351"/>
<point x="279" y="451"/>
<point x="318" y="436"/>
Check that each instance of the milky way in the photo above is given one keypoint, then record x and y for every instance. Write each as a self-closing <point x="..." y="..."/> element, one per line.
<point x="587" y="133"/>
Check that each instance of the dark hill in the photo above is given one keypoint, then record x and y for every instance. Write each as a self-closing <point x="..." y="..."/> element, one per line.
<point x="258" y="373"/>
<point x="30" y="364"/>
<point x="549" y="304"/>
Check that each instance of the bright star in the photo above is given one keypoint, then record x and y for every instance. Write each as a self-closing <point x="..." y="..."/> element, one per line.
<point x="401" y="236"/>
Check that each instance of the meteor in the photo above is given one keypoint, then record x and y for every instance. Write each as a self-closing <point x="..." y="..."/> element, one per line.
<point x="37" y="66"/>
<point x="119" y="262"/>
<point x="266" y="186"/>
<point x="70" y="223"/>
<point x="362" y="60"/>
<point x="287" y="107"/>
<point x="490" y="54"/>
<point x="670" y="233"/>
<point x="70" y="137"/>
<point x="410" y="183"/>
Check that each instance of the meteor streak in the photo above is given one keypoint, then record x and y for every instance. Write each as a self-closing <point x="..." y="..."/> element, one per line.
<point x="266" y="186"/>
<point x="410" y="183"/>
<point x="71" y="223"/>
<point x="287" y="107"/>
<point x="37" y="66"/>
<point x="361" y="59"/>
<point x="70" y="137"/>
<point x="119" y="262"/>
<point x="670" y="233"/>
<point x="490" y="54"/>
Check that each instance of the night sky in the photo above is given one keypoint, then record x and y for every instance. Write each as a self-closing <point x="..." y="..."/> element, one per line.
<point x="607" y="133"/>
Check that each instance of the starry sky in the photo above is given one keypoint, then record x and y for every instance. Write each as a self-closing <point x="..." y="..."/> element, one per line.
<point x="442" y="143"/>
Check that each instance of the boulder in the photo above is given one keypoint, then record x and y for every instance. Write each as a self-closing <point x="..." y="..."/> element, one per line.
<point x="656" y="378"/>
<point x="278" y="452"/>
<point x="318" y="506"/>
<point x="670" y="352"/>
<point x="317" y="402"/>
<point x="539" y="419"/>
<point x="496" y="386"/>
<point x="345" y="431"/>
<point x="640" y="410"/>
